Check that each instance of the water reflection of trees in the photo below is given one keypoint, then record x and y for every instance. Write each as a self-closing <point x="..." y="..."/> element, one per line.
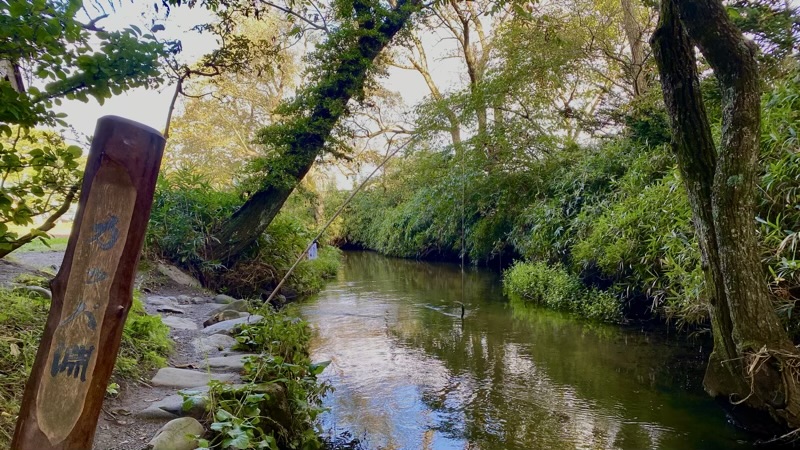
<point x="528" y="378"/>
<point x="438" y="282"/>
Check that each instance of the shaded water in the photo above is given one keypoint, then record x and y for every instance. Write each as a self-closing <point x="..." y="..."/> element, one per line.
<point x="410" y="374"/>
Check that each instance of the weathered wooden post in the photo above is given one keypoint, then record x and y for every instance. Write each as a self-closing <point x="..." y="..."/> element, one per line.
<point x="92" y="292"/>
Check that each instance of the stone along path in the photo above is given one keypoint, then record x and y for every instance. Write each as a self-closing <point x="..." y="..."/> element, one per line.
<point x="201" y="326"/>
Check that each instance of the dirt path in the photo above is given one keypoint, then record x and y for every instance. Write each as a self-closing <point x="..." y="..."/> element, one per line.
<point x="126" y="423"/>
<point x="48" y="260"/>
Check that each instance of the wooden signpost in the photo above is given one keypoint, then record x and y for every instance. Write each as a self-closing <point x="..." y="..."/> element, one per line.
<point x="92" y="292"/>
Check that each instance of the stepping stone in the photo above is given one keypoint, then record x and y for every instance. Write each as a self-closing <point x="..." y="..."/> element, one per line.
<point x="154" y="413"/>
<point x="223" y="299"/>
<point x="185" y="378"/>
<point x="157" y="300"/>
<point x="170" y="309"/>
<point x="177" y="435"/>
<point x="227" y="326"/>
<point x="213" y="343"/>
<point x="222" y="316"/>
<point x="171" y="407"/>
<point x="236" y="305"/>
<point x="232" y="363"/>
<point x="200" y="300"/>
<point x="179" y="323"/>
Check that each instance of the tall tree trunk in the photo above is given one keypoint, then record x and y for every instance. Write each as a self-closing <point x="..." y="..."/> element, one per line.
<point x="752" y="365"/>
<point x="633" y="32"/>
<point x="305" y="143"/>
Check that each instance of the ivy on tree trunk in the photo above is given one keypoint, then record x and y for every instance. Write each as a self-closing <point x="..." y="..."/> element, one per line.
<point x="303" y="140"/>
<point x="751" y="369"/>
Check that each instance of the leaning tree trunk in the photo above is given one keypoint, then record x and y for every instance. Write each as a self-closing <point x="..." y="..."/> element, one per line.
<point x="752" y="368"/>
<point x="305" y="143"/>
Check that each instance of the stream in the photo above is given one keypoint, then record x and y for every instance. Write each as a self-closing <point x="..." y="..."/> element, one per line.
<point x="409" y="373"/>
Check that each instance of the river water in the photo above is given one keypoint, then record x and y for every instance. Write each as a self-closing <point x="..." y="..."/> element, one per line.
<point x="409" y="373"/>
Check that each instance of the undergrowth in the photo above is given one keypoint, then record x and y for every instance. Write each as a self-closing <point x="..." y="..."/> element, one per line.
<point x="611" y="215"/>
<point x="187" y="211"/>
<point x="281" y="399"/>
<point x="554" y="287"/>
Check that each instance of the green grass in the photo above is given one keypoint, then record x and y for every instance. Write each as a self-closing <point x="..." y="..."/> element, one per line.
<point x="22" y="319"/>
<point x="55" y="243"/>
<point x="552" y="286"/>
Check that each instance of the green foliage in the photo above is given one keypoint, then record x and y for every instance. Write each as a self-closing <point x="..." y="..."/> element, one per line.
<point x="39" y="173"/>
<point x="237" y="419"/>
<point x="645" y="241"/>
<point x="779" y="208"/>
<point x="773" y="24"/>
<point x="281" y="400"/>
<point x="278" y="334"/>
<point x="614" y="216"/>
<point x="187" y="211"/>
<point x="552" y="286"/>
<point x="76" y="60"/>
<point x="42" y="40"/>
<point x="22" y="319"/>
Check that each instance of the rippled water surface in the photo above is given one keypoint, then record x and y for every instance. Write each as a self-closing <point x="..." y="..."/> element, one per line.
<point x="410" y="373"/>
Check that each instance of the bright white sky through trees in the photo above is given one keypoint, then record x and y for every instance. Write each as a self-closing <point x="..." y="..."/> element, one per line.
<point x="150" y="106"/>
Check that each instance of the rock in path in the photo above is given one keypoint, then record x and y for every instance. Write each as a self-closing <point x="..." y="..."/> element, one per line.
<point x="171" y="407"/>
<point x="213" y="343"/>
<point x="185" y="378"/>
<point x="178" y="276"/>
<point x="178" y="323"/>
<point x="232" y="363"/>
<point x="223" y="299"/>
<point x="228" y="325"/>
<point x="170" y="309"/>
<point x="222" y="317"/>
<point x="158" y="300"/>
<point x="236" y="305"/>
<point x="176" y="435"/>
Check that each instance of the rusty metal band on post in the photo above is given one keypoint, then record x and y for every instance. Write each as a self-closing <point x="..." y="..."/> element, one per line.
<point x="92" y="292"/>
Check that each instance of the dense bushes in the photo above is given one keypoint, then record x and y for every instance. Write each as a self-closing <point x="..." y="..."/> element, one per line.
<point x="186" y="212"/>
<point x="612" y="217"/>
<point x="552" y="286"/>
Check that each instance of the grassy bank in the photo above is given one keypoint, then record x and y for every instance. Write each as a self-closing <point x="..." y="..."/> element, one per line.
<point x="278" y="404"/>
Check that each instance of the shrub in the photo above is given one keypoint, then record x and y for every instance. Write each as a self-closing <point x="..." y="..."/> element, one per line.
<point x="553" y="287"/>
<point x="22" y="319"/>
<point x="186" y="213"/>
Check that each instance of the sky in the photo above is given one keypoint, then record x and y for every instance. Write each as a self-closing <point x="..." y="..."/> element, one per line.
<point x="150" y="106"/>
